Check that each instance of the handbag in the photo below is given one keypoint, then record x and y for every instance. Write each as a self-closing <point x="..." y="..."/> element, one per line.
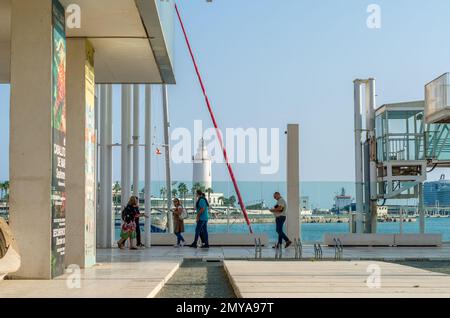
<point x="184" y="214"/>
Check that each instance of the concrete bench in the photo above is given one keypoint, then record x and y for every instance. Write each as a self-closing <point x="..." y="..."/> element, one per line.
<point x="9" y="254"/>
<point x="215" y="239"/>
<point x="418" y="240"/>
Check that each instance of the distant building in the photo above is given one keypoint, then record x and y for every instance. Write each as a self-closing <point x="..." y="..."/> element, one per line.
<point x="437" y="193"/>
<point x="382" y="211"/>
<point x="304" y="204"/>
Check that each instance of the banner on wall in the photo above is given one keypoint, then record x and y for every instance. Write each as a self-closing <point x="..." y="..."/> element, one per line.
<point x="58" y="194"/>
<point x="90" y="144"/>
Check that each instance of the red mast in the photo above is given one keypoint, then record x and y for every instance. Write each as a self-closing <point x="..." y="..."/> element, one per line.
<point x="213" y="118"/>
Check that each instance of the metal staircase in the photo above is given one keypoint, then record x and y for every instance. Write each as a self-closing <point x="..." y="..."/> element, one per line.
<point x="438" y="143"/>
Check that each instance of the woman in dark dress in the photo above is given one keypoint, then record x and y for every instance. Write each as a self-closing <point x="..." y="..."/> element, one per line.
<point x="130" y="223"/>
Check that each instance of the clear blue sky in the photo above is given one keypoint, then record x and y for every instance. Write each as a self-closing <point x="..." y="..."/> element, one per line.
<point x="267" y="63"/>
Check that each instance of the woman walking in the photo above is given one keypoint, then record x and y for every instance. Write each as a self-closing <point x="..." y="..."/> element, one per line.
<point x="178" y="222"/>
<point x="129" y="216"/>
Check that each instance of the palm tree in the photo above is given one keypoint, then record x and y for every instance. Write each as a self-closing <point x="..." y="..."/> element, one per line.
<point x="2" y="190"/>
<point x="6" y="189"/>
<point x="163" y="192"/>
<point x="232" y="200"/>
<point x="116" y="197"/>
<point x="174" y="193"/>
<point x="209" y="191"/>
<point x="183" y="190"/>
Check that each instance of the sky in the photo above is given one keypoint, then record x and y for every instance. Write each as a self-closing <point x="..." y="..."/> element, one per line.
<point x="268" y="63"/>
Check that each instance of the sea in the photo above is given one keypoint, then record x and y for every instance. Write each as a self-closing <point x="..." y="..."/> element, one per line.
<point x="320" y="195"/>
<point x="314" y="232"/>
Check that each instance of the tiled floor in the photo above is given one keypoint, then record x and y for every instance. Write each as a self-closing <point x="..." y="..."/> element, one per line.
<point x="125" y="277"/>
<point x="142" y="273"/>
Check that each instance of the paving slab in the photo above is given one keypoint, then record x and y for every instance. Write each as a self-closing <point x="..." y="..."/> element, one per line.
<point x="111" y="280"/>
<point x="335" y="279"/>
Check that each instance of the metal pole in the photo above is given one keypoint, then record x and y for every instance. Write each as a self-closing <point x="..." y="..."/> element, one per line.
<point x="358" y="157"/>
<point x="370" y="126"/>
<point x="136" y="105"/>
<point x="421" y="210"/>
<point x="228" y="220"/>
<point x="125" y="148"/>
<point x="102" y="219"/>
<point x="401" y="220"/>
<point x="167" y="155"/>
<point x="110" y="215"/>
<point x="148" y="160"/>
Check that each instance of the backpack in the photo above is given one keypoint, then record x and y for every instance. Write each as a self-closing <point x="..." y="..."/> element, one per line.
<point x="127" y="215"/>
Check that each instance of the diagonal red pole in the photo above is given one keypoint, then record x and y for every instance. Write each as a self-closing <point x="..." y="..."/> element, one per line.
<point x="219" y="135"/>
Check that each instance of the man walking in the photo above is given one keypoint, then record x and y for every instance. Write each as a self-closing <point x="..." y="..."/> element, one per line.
<point x="279" y="211"/>
<point x="201" y="230"/>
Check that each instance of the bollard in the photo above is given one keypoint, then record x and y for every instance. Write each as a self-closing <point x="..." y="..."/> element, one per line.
<point x="298" y="249"/>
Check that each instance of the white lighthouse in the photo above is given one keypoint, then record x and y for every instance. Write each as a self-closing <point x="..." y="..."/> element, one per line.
<point x="202" y="166"/>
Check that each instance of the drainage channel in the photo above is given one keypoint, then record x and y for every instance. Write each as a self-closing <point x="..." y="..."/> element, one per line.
<point x="198" y="279"/>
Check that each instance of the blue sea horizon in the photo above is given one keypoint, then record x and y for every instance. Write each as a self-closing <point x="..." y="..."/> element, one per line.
<point x="314" y="232"/>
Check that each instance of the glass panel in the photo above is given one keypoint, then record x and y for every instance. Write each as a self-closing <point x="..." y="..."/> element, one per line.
<point x="437" y="100"/>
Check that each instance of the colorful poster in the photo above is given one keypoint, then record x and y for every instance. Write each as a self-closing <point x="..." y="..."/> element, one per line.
<point x="58" y="195"/>
<point x="90" y="154"/>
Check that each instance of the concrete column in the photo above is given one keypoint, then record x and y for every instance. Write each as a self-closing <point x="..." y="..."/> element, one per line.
<point x="293" y="182"/>
<point x="148" y="164"/>
<point x="31" y="146"/>
<point x="126" y="141"/>
<point x="81" y="154"/>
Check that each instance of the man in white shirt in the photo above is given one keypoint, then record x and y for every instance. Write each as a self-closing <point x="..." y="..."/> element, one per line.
<point x="279" y="211"/>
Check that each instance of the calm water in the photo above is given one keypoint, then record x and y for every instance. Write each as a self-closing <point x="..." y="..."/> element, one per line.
<point x="315" y="231"/>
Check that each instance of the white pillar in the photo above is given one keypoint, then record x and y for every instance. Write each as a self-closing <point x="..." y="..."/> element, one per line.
<point x="126" y="139"/>
<point x="110" y="216"/>
<point x="148" y="162"/>
<point x="358" y="158"/>
<point x="102" y="238"/>
<point x="293" y="182"/>
<point x="81" y="155"/>
<point x="167" y="155"/>
<point x="136" y="100"/>
<point x="31" y="143"/>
